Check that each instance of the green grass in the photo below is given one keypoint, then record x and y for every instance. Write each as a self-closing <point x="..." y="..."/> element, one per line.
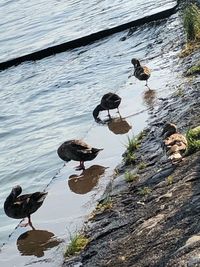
<point x="142" y="165"/>
<point x="193" y="70"/>
<point x="130" y="177"/>
<point x="144" y="191"/>
<point x="141" y="135"/>
<point x="193" y="138"/>
<point x="77" y="243"/>
<point x="129" y="158"/>
<point x="105" y="204"/>
<point x="191" y="22"/>
<point x="133" y="144"/>
<point x="170" y="180"/>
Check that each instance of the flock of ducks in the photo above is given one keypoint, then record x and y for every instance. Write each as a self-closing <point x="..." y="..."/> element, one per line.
<point x="19" y="206"/>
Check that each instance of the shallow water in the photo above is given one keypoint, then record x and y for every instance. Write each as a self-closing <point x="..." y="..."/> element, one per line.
<point x="50" y="101"/>
<point x="27" y="26"/>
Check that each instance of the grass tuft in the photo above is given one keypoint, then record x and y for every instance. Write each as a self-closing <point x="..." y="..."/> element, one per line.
<point x="129" y="158"/>
<point x="104" y="205"/>
<point x="193" y="138"/>
<point x="142" y="165"/>
<point x="77" y="243"/>
<point x="193" y="70"/>
<point x="191" y="22"/>
<point x="130" y="177"/>
<point x="170" y="180"/>
<point x="132" y="145"/>
<point x="144" y="191"/>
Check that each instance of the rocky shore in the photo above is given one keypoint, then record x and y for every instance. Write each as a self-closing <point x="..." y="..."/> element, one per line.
<point x="152" y="221"/>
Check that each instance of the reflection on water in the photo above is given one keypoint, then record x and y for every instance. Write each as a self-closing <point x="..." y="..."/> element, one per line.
<point x="149" y="98"/>
<point x="87" y="180"/>
<point x="119" y="126"/>
<point x="36" y="242"/>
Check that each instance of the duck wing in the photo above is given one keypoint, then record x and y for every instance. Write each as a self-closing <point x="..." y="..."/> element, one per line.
<point x="146" y="70"/>
<point x="80" y="146"/>
<point x="110" y="101"/>
<point x="29" y="203"/>
<point x="175" y="138"/>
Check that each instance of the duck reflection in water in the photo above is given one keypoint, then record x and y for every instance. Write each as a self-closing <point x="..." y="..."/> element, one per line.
<point x="119" y="125"/>
<point x="149" y="98"/>
<point x="87" y="180"/>
<point x="36" y="242"/>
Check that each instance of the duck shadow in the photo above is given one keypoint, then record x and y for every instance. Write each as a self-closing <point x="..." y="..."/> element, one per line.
<point x="87" y="180"/>
<point x="36" y="242"/>
<point x="149" y="98"/>
<point x="117" y="125"/>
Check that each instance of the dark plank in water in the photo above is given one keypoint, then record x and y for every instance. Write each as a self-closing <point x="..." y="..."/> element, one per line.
<point x="82" y="41"/>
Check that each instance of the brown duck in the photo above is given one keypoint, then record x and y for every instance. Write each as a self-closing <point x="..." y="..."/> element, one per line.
<point x="20" y="207"/>
<point x="108" y="101"/>
<point x="142" y="73"/>
<point x="77" y="150"/>
<point x="175" y="142"/>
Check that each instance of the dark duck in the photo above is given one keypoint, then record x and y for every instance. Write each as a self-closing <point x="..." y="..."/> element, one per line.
<point x="20" y="207"/>
<point x="77" y="150"/>
<point x="108" y="101"/>
<point x="142" y="73"/>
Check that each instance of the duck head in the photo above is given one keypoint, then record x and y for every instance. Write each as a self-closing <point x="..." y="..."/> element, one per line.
<point x="16" y="191"/>
<point x="135" y="62"/>
<point x="96" y="113"/>
<point x="169" y="129"/>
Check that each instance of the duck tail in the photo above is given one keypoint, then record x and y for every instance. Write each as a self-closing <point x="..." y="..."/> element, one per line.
<point x="96" y="150"/>
<point x="39" y="196"/>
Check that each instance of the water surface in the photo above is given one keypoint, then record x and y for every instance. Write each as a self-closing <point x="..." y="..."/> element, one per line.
<point x="27" y="26"/>
<point x="49" y="101"/>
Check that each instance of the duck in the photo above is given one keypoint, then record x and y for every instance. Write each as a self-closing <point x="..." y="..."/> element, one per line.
<point x="108" y="101"/>
<point x="175" y="142"/>
<point x="77" y="150"/>
<point x="142" y="73"/>
<point x="19" y="206"/>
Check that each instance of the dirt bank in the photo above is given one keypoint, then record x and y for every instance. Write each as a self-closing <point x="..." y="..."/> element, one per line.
<point x="153" y="221"/>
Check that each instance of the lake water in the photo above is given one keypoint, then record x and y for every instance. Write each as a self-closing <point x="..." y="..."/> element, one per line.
<point x="46" y="102"/>
<point x="27" y="26"/>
